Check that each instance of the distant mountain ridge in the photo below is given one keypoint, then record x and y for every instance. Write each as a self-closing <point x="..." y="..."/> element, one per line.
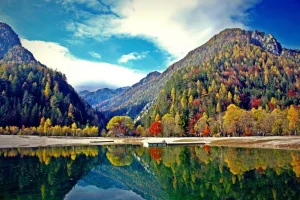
<point x="101" y="95"/>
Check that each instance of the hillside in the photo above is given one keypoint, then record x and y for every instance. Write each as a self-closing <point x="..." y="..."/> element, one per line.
<point x="101" y="95"/>
<point x="248" y="69"/>
<point x="30" y="91"/>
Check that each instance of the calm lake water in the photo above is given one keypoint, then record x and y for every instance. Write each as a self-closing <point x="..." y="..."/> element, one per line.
<point x="134" y="172"/>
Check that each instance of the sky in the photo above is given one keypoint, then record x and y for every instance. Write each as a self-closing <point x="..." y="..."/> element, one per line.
<point x="115" y="43"/>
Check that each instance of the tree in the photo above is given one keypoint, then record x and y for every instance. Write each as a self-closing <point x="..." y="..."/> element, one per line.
<point x="255" y="103"/>
<point x="246" y="122"/>
<point x="157" y="117"/>
<point x="183" y="102"/>
<point x="229" y="97"/>
<point x="140" y="130"/>
<point x="293" y="117"/>
<point x="280" y="123"/>
<point x="120" y="125"/>
<point x="263" y="121"/>
<point x="272" y="103"/>
<point x="47" y="91"/>
<point x="206" y="131"/>
<point x="71" y="112"/>
<point x="47" y="125"/>
<point x="168" y="123"/>
<point x="236" y="99"/>
<point x="191" y="99"/>
<point x="231" y="118"/>
<point x="173" y="95"/>
<point x="155" y="128"/>
<point x="201" y="123"/>
<point x="198" y="88"/>
<point x="178" y="131"/>
<point x="74" y="128"/>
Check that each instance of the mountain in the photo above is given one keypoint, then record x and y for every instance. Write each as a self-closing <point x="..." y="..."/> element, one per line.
<point x="249" y="69"/>
<point x="100" y="95"/>
<point x="143" y="94"/>
<point x="30" y="91"/>
<point x="83" y="93"/>
<point x="127" y="178"/>
<point x="135" y="98"/>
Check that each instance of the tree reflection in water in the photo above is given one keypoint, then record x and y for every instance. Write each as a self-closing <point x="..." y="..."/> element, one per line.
<point x="184" y="172"/>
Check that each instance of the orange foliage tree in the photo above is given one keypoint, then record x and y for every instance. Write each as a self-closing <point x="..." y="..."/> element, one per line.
<point x="206" y="131"/>
<point x="247" y="132"/>
<point x="155" y="128"/>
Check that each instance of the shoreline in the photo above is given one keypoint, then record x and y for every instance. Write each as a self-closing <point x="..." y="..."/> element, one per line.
<point x="269" y="142"/>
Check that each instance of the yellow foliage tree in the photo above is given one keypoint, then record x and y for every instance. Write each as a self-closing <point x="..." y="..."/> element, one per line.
<point x="293" y="117"/>
<point x="231" y="118"/>
<point x="140" y="130"/>
<point x="47" y="91"/>
<point x="157" y="117"/>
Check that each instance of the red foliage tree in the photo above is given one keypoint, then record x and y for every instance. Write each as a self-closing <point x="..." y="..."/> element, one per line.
<point x="291" y="93"/>
<point x="255" y="103"/>
<point x="196" y="71"/>
<point x="196" y="103"/>
<point x="156" y="153"/>
<point x="271" y="106"/>
<point x="192" y="123"/>
<point x="197" y="116"/>
<point x="206" y="131"/>
<point x="155" y="128"/>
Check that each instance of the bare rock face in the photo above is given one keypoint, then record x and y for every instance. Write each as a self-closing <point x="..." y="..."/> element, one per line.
<point x="267" y="42"/>
<point x="290" y="52"/>
<point x="11" y="50"/>
<point x="8" y="39"/>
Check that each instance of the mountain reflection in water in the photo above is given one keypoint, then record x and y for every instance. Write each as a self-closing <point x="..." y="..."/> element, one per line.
<point x="135" y="172"/>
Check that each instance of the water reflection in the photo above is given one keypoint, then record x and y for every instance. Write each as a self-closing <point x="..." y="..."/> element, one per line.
<point x="134" y="172"/>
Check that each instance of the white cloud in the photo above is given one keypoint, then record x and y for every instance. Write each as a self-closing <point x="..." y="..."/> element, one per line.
<point x="81" y="72"/>
<point x="94" y="54"/>
<point x="175" y="26"/>
<point x="132" y="56"/>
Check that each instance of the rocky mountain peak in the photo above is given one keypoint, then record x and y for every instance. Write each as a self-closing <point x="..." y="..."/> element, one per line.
<point x="8" y="39"/>
<point x="11" y="50"/>
<point x="267" y="42"/>
<point x="148" y="78"/>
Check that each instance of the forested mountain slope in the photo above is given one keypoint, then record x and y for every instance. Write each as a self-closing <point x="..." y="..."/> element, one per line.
<point x="246" y="68"/>
<point x="29" y="91"/>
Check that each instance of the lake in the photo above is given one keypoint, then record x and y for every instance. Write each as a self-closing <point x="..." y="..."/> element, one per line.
<point x="134" y="172"/>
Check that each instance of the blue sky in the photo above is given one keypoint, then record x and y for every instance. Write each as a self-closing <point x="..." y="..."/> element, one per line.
<point x="111" y="43"/>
